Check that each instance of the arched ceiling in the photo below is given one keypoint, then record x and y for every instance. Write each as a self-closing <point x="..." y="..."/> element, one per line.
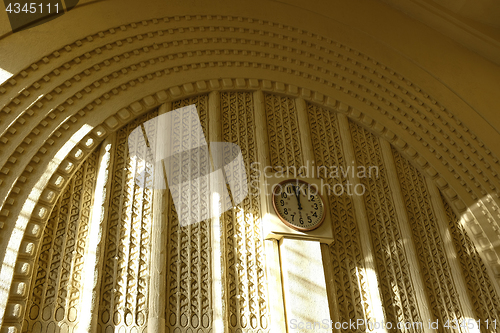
<point x="486" y="12"/>
<point x="473" y="23"/>
<point x="482" y="12"/>
<point x="99" y="66"/>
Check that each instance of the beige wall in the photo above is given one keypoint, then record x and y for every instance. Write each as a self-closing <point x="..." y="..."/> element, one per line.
<point x="432" y="98"/>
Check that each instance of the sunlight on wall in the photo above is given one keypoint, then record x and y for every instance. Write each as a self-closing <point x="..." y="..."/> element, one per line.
<point x="90" y="274"/>
<point x="374" y="292"/>
<point x="10" y="258"/>
<point x="4" y="75"/>
<point x="482" y="220"/>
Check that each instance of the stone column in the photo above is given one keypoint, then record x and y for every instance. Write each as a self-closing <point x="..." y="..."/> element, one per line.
<point x="363" y="224"/>
<point x="451" y="254"/>
<point x="273" y="270"/>
<point x="158" y="262"/>
<point x="309" y="160"/>
<point x="94" y="253"/>
<point x="406" y="235"/>
<point x="217" y="230"/>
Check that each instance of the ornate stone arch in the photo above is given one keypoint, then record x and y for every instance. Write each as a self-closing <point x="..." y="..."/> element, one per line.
<point x="58" y="178"/>
<point x="60" y="107"/>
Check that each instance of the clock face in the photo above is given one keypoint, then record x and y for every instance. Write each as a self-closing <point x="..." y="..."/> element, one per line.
<point x="298" y="204"/>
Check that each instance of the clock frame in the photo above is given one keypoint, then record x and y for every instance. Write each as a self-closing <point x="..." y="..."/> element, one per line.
<point x="282" y="188"/>
<point x="275" y="228"/>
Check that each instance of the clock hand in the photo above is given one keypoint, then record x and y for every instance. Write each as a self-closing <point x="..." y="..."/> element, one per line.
<point x="297" y="190"/>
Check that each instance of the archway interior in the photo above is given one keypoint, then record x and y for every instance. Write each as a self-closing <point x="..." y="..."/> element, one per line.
<point x="409" y="228"/>
<point x="105" y="79"/>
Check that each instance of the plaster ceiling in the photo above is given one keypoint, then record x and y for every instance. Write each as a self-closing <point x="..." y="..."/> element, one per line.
<point x="473" y="23"/>
<point x="485" y="12"/>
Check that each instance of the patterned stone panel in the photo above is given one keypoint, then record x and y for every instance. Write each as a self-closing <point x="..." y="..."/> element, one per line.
<point x="485" y="300"/>
<point x="189" y="289"/>
<point x="346" y="255"/>
<point x="201" y="103"/>
<point x="398" y="294"/>
<point x="283" y="131"/>
<point x="124" y="288"/>
<point x="437" y="276"/>
<point x="246" y="286"/>
<point x="55" y="295"/>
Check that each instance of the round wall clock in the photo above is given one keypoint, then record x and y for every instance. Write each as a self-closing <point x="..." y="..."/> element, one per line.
<point x="298" y="204"/>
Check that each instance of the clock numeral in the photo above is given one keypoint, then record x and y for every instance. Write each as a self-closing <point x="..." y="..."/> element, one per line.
<point x="293" y="215"/>
<point x="315" y="215"/>
<point x="283" y="195"/>
<point x="289" y="190"/>
<point x="286" y="211"/>
<point x="315" y="206"/>
<point x="301" y="220"/>
<point x="312" y="198"/>
<point x="282" y="202"/>
<point x="309" y="219"/>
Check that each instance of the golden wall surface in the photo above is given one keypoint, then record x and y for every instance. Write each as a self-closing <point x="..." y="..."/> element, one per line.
<point x="335" y="83"/>
<point x="188" y="303"/>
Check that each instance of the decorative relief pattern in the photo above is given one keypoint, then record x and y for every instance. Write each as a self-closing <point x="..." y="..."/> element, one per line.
<point x="350" y="281"/>
<point x="125" y="280"/>
<point x="380" y="81"/>
<point x="487" y="211"/>
<point x="485" y="300"/>
<point x="189" y="288"/>
<point x="356" y="74"/>
<point x="283" y="131"/>
<point x="398" y="295"/>
<point x="441" y="292"/>
<point x="246" y="286"/>
<point x="201" y="102"/>
<point x="13" y="197"/>
<point x="55" y="296"/>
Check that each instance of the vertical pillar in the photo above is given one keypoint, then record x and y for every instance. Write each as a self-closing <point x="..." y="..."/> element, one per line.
<point x="271" y="248"/>
<point x="363" y="224"/>
<point x="309" y="161"/>
<point x="156" y="300"/>
<point x="217" y="230"/>
<point x="451" y="253"/>
<point x="304" y="131"/>
<point x="94" y="253"/>
<point x="330" y="282"/>
<point x="406" y="235"/>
